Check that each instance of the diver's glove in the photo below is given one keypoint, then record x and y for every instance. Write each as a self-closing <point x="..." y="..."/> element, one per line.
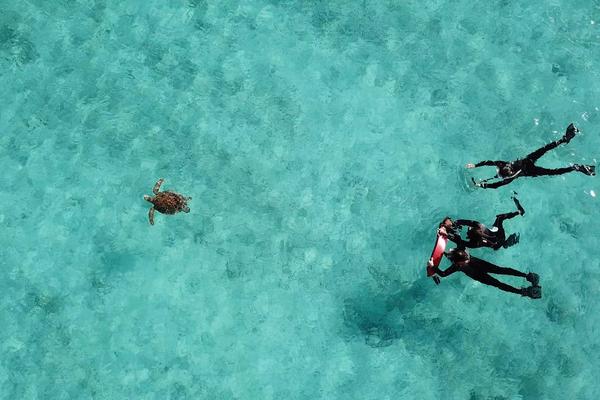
<point x="477" y="184"/>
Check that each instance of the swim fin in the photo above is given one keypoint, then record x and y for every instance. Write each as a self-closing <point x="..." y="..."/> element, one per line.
<point x="518" y="204"/>
<point x="511" y="240"/>
<point x="586" y="169"/>
<point x="535" y="292"/>
<point x="570" y="133"/>
<point x="533" y="278"/>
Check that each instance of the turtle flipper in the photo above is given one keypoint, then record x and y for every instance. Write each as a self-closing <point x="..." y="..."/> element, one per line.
<point x="157" y="186"/>
<point x="186" y="209"/>
<point x="151" y="215"/>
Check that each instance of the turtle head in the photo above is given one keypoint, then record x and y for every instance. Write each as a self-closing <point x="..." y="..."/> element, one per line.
<point x="149" y="198"/>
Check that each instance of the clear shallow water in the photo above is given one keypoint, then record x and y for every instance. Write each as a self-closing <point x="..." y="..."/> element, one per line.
<point x="321" y="144"/>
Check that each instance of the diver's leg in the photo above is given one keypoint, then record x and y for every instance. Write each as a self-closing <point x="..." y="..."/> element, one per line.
<point x="488" y="280"/>
<point x="518" y="204"/>
<point x="490" y="268"/>
<point x="513" y="238"/>
<point x="501" y="217"/>
<point x="569" y="134"/>
<point x="540" y="152"/>
<point x="500" y="233"/>
<point x="540" y="171"/>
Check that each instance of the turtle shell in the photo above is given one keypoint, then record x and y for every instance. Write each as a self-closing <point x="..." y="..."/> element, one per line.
<point x="168" y="202"/>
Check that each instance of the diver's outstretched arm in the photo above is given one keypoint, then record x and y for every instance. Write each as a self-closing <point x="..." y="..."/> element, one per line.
<point x="487" y="163"/>
<point x="456" y="238"/>
<point x="467" y="222"/>
<point x="497" y="184"/>
<point x="494" y="185"/>
<point x="450" y="270"/>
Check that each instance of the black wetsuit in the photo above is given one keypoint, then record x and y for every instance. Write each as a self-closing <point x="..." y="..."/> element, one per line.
<point x="481" y="236"/>
<point x="479" y="270"/>
<point x="526" y="166"/>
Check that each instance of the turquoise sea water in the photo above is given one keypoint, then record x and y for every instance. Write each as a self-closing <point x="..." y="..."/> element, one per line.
<point x="321" y="142"/>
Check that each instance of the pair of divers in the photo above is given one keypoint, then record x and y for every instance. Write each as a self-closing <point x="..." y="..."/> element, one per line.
<point x="494" y="237"/>
<point x="479" y="235"/>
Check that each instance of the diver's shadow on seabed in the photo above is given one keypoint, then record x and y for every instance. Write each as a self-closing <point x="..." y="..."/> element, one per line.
<point x="383" y="316"/>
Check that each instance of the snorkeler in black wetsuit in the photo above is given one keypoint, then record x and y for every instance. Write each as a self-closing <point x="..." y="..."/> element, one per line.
<point x="509" y="171"/>
<point x="480" y="235"/>
<point x="479" y="270"/>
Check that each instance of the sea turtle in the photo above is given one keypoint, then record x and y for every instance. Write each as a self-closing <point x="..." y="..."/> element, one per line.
<point x="166" y="202"/>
